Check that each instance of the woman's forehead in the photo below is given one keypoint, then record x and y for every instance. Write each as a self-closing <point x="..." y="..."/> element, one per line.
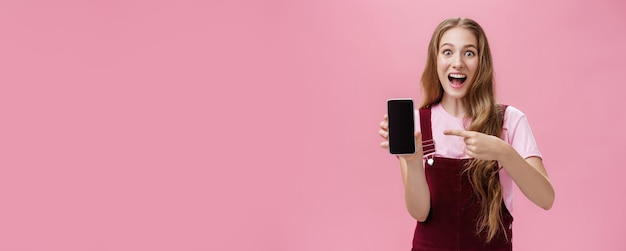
<point x="458" y="37"/>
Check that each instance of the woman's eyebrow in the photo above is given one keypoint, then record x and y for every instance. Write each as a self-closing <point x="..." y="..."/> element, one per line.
<point x="445" y="45"/>
<point x="466" y="46"/>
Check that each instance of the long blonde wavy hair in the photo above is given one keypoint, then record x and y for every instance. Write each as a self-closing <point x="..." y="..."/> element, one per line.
<point x="485" y="116"/>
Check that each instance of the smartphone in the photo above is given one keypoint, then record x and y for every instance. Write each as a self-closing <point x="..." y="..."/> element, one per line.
<point x="401" y="126"/>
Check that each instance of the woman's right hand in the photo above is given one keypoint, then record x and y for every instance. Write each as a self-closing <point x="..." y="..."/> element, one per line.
<point x="384" y="133"/>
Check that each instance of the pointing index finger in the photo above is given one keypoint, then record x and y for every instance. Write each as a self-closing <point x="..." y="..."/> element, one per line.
<point x="460" y="133"/>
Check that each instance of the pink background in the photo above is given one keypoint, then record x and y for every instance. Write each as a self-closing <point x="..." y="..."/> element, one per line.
<point x="252" y="125"/>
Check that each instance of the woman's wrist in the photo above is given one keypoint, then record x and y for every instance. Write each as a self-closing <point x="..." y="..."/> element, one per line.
<point x="506" y="153"/>
<point x="413" y="161"/>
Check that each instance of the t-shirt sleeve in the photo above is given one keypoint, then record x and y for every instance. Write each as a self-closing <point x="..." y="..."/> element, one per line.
<point x="518" y="134"/>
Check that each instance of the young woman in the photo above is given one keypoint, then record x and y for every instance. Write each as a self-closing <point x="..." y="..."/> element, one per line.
<point x="459" y="183"/>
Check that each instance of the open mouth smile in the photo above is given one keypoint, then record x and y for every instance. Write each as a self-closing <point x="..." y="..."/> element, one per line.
<point x="457" y="79"/>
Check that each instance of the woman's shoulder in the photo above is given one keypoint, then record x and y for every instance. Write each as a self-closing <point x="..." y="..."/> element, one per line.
<point x="513" y="112"/>
<point x="513" y="116"/>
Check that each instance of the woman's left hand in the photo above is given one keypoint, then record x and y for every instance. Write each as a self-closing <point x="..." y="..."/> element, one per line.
<point x="481" y="146"/>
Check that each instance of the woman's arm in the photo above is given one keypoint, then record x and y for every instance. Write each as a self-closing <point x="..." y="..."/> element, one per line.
<point x="416" y="192"/>
<point x="529" y="174"/>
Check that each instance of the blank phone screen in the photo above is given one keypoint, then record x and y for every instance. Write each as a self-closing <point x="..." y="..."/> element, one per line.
<point x="401" y="126"/>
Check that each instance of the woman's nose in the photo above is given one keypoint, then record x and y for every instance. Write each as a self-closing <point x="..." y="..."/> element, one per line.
<point x="457" y="61"/>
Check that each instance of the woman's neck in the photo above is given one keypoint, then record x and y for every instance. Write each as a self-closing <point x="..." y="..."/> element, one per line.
<point x="454" y="107"/>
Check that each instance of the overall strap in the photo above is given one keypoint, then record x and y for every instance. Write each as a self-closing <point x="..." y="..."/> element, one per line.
<point x="428" y="145"/>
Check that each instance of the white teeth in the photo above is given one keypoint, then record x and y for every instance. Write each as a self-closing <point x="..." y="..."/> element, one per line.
<point x="457" y="75"/>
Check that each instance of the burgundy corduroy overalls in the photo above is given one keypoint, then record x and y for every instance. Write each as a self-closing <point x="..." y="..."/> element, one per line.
<point x="454" y="208"/>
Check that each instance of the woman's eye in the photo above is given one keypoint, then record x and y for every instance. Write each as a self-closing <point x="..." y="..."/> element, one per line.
<point x="469" y="53"/>
<point x="447" y="52"/>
